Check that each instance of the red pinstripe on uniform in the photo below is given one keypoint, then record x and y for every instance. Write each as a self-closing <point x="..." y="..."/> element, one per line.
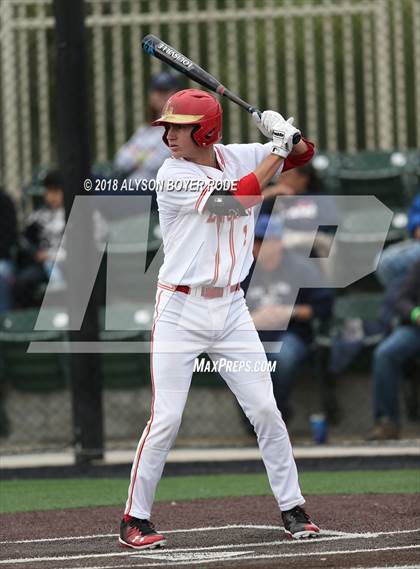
<point x="171" y="288"/>
<point x="232" y="248"/>
<point x="200" y="198"/>
<point x="149" y="424"/>
<point x="217" y="256"/>
<point x="220" y="158"/>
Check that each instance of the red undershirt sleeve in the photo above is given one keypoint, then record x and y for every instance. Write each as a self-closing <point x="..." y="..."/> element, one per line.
<point x="296" y="160"/>
<point x="248" y="190"/>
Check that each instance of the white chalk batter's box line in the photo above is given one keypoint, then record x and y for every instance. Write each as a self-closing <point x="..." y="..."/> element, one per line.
<point x="195" y="558"/>
<point x="210" y="554"/>
<point x="326" y="535"/>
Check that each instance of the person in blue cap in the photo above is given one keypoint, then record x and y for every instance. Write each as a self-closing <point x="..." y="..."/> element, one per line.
<point x="395" y="261"/>
<point x="270" y="295"/>
<point x="144" y="153"/>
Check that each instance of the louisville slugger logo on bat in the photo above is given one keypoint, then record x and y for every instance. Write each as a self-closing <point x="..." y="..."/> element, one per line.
<point x="175" y="55"/>
<point x="169" y="55"/>
<point x="153" y="47"/>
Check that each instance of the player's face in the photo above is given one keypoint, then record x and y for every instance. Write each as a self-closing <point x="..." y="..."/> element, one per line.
<point x="180" y="141"/>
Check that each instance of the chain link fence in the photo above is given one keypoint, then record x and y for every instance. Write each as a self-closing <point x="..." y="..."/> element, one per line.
<point x="349" y="71"/>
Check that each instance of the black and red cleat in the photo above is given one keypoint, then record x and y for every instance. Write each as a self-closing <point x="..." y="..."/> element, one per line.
<point x="139" y="534"/>
<point x="298" y="525"/>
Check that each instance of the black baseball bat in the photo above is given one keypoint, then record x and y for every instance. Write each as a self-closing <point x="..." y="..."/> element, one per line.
<point x="166" y="53"/>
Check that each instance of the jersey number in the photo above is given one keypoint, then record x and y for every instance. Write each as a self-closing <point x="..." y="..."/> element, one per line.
<point x="212" y="218"/>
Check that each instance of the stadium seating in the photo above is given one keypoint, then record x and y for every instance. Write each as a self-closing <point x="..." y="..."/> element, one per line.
<point x="327" y="165"/>
<point x="47" y="372"/>
<point x="388" y="175"/>
<point x="127" y="256"/>
<point x="379" y="173"/>
<point x="125" y="370"/>
<point x="29" y="372"/>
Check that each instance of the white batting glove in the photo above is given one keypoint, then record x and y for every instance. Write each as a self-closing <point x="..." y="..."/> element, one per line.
<point x="265" y="123"/>
<point x="283" y="133"/>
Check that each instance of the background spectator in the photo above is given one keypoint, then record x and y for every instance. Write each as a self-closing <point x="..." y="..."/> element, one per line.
<point x="142" y="156"/>
<point x="396" y="260"/>
<point x="270" y="297"/>
<point x="392" y="355"/>
<point x="8" y="243"/>
<point x="301" y="212"/>
<point x="40" y="252"/>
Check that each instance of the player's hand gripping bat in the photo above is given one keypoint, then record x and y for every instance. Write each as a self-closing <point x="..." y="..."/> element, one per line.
<point x="158" y="48"/>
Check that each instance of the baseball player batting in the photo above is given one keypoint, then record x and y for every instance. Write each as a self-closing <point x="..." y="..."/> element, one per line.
<point x="208" y="234"/>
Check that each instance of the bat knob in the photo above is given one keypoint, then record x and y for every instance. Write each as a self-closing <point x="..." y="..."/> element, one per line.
<point x="253" y="110"/>
<point x="296" y="137"/>
<point x="148" y="45"/>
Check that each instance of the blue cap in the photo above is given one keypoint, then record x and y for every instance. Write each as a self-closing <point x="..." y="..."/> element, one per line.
<point x="164" y="81"/>
<point x="269" y="227"/>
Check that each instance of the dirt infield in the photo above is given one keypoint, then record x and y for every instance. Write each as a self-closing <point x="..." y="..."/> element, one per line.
<point x="358" y="531"/>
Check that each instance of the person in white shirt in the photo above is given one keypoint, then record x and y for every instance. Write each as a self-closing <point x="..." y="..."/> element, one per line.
<point x="40" y="244"/>
<point x="206" y="212"/>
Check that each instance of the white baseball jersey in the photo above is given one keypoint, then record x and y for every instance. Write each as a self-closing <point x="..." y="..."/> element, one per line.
<point x="202" y="249"/>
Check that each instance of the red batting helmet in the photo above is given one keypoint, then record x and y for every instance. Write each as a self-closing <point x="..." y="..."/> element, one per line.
<point x="192" y="106"/>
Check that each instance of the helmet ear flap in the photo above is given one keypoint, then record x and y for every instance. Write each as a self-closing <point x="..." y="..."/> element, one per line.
<point x="205" y="138"/>
<point x="195" y="128"/>
<point x="209" y="134"/>
<point x="165" y="134"/>
<point x="193" y="131"/>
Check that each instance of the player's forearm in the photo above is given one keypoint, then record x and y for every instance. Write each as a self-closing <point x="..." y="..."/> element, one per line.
<point x="265" y="171"/>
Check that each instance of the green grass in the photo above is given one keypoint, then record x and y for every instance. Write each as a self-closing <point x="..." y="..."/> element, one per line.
<point x="32" y="495"/>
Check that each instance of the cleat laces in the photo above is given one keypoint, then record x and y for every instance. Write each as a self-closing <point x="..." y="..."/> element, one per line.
<point x="144" y="526"/>
<point x="300" y="515"/>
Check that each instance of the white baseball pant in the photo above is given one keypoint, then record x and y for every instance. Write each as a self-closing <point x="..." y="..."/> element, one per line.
<point x="223" y="328"/>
